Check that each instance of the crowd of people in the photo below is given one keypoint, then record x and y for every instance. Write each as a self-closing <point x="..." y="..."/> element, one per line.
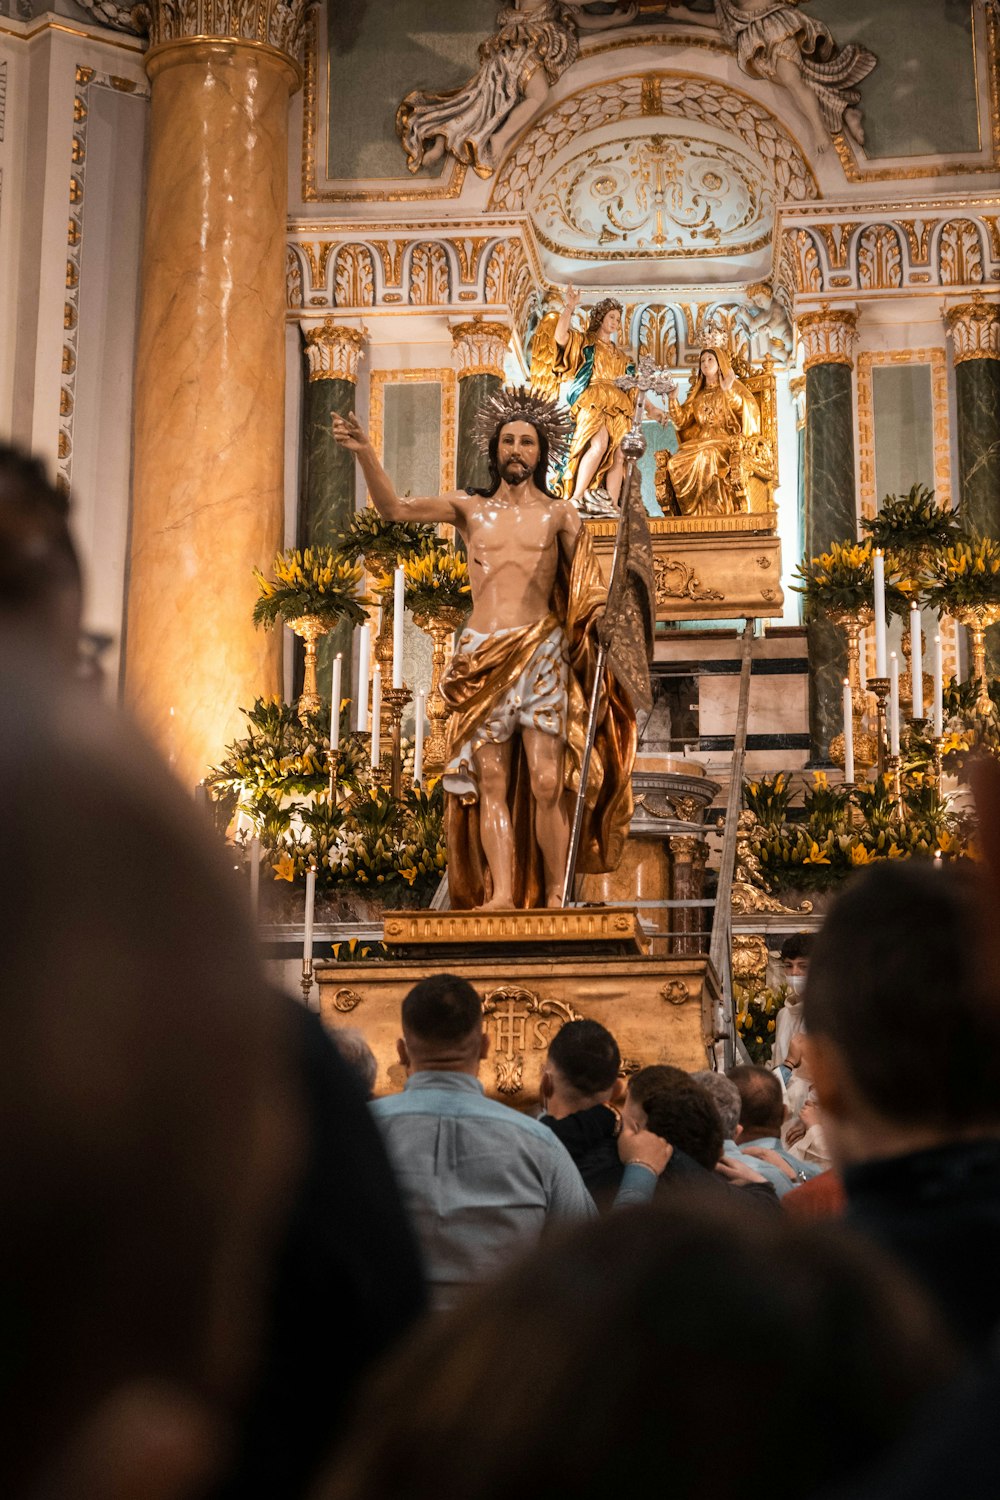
<point x="227" y="1271"/>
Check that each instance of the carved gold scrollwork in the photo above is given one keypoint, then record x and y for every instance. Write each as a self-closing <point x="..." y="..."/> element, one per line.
<point x="522" y="1022"/>
<point x="676" y="809"/>
<point x="346" y="1000"/>
<point x="678" y="580"/>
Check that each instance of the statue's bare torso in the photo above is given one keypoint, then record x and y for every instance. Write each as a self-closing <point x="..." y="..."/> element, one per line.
<point x="513" y="555"/>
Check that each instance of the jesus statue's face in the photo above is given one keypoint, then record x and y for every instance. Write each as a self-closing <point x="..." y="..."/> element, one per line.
<point x="518" y="452"/>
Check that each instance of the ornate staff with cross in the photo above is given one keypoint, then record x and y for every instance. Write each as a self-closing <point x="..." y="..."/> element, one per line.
<point x="631" y="574"/>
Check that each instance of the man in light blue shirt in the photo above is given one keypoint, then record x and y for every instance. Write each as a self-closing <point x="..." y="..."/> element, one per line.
<point x="481" y="1181"/>
<point x="762" y="1114"/>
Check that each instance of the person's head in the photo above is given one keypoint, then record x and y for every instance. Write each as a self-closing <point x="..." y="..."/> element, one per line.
<point x="443" y="1026"/>
<point x="902" y="1006"/>
<point x="358" y="1055"/>
<point x="672" y="1105"/>
<point x="762" y="1102"/>
<point x="760" y="293"/>
<point x="40" y="584"/>
<point x="714" y="365"/>
<point x="795" y="951"/>
<point x="582" y="1067"/>
<point x="685" y="1304"/>
<point x="725" y="1096"/>
<point x="525" y="441"/>
<point x="605" y="318"/>
<point x="146" y="1113"/>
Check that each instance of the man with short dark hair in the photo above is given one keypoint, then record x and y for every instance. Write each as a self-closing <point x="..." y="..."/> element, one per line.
<point x="482" y="1181"/>
<point x="762" y="1115"/>
<point x="903" y="1014"/>
<point x="580" y="1084"/>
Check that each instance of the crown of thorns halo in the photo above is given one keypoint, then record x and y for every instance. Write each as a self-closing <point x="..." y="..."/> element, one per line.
<point x="522" y="404"/>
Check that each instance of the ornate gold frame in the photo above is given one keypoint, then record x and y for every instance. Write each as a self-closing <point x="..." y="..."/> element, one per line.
<point x="449" y="185"/>
<point x="447" y="380"/>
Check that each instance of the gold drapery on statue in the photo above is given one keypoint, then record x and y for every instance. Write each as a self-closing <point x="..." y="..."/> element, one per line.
<point x="476" y="681"/>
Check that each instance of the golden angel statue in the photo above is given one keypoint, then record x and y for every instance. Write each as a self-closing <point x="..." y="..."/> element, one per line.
<point x="591" y="362"/>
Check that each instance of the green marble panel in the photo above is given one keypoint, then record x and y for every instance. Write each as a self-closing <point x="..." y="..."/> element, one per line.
<point x="326" y="504"/>
<point x="471" y="467"/>
<point x="379" y="51"/>
<point x="830" y="516"/>
<point x="904" y="428"/>
<point x="977" y="391"/>
<point x="411" y="436"/>
<point x="921" y="99"/>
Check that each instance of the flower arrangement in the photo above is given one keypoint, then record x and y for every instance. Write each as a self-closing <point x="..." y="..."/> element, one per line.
<point x="278" y="776"/>
<point x="312" y="582"/>
<point x="437" y="580"/>
<point x="768" y="798"/>
<point x="383" y="543"/>
<point x="909" y="527"/>
<point x="844" y="579"/>
<point x="757" y="1008"/>
<point x="828" y="843"/>
<point x="966" y="574"/>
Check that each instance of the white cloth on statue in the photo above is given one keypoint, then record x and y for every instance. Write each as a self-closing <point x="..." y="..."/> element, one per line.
<point x="537" y="700"/>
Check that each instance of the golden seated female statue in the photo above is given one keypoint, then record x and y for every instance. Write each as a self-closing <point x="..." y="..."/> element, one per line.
<point x="715" y="427"/>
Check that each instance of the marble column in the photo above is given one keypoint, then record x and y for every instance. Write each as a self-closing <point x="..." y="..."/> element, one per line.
<point x="975" y="332"/>
<point x="688" y="857"/>
<point x="327" y="497"/>
<point x="830" y="509"/>
<point x="207" y="502"/>
<point x="479" y="352"/>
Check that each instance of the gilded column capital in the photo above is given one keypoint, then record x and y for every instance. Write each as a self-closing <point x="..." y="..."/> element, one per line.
<point x="687" y="846"/>
<point x="828" y="335"/>
<point x="333" y="351"/>
<point x="975" y="329"/>
<point x="275" y="24"/>
<point x="480" y="348"/>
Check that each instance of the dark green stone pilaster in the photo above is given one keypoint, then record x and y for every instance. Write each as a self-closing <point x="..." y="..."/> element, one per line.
<point x="470" y="465"/>
<point x="326" y="504"/>
<point x="977" y="391"/>
<point x="830" y="516"/>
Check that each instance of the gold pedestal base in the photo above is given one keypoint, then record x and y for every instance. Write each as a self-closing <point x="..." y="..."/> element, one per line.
<point x="713" y="575"/>
<point x="597" y="925"/>
<point x="659" y="1010"/>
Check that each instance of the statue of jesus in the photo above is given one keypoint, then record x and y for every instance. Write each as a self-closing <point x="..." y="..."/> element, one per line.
<point x="519" y="682"/>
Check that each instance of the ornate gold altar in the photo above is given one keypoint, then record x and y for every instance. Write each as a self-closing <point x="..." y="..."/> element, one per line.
<point x="710" y="567"/>
<point x="659" y="1010"/>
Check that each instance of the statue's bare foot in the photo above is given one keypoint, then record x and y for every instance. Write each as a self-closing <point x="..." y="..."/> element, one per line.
<point x="502" y="902"/>
<point x="555" y="900"/>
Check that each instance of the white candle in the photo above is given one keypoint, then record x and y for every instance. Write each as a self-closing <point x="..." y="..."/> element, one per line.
<point x="307" y="940"/>
<point x="335" y="692"/>
<point x="255" y="876"/>
<point x="848" y="733"/>
<point x="418" y="737"/>
<point x="880" y="642"/>
<point x="364" y="651"/>
<point x="894" y="704"/>
<point x="938" y="689"/>
<point x="398" y="607"/>
<point x="863" y="662"/>
<point x="916" y="662"/>
<point x="376" y="715"/>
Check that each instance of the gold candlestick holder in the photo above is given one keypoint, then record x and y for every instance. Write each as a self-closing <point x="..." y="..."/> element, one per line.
<point x="394" y="701"/>
<point x="306" y="981"/>
<point x="939" y="763"/>
<point x="879" y="686"/>
<point x="895" y="771"/>
<point x="310" y="629"/>
<point x="440" y="626"/>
